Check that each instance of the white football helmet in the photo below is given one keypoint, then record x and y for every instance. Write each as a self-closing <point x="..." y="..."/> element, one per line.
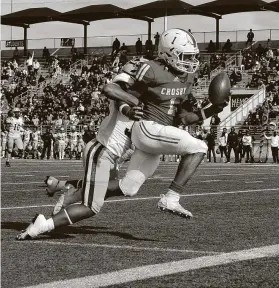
<point x="179" y="48"/>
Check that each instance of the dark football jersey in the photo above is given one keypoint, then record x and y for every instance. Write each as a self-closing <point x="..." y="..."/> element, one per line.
<point x="162" y="91"/>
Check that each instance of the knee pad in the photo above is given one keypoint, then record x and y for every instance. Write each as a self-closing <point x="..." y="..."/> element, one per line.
<point x="131" y="182"/>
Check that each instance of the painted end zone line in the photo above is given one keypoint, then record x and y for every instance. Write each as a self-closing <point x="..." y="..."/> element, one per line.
<point x="158" y="270"/>
<point x="155" y="197"/>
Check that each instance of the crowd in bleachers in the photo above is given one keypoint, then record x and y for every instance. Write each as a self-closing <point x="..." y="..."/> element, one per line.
<point x="80" y="102"/>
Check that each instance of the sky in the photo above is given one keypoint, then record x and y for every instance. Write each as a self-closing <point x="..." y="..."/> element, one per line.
<point x="241" y="21"/>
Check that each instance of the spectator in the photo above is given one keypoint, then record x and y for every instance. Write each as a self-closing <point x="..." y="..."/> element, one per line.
<point x="222" y="142"/>
<point x="232" y="144"/>
<point x="239" y="148"/>
<point x="228" y="46"/>
<point x="250" y="37"/>
<point x="139" y="47"/>
<point x="235" y="77"/>
<point x="29" y="62"/>
<point x="149" y="48"/>
<point x="115" y="47"/>
<point x="124" y="48"/>
<point x="36" y="67"/>
<point x="47" y="138"/>
<point x="247" y="145"/>
<point x="260" y="50"/>
<point x="210" y="139"/>
<point x="16" y="54"/>
<point x="46" y="53"/>
<point x="274" y="146"/>
<point x="14" y="65"/>
<point x="269" y="54"/>
<point x="157" y="39"/>
<point x="211" y="47"/>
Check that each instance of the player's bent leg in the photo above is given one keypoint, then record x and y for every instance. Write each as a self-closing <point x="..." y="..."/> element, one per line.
<point x="154" y="138"/>
<point x="192" y="151"/>
<point x="142" y="165"/>
<point x="94" y="188"/>
<point x="68" y="216"/>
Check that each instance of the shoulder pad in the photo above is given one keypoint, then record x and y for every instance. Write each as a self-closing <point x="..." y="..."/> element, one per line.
<point x="132" y="66"/>
<point x="124" y="78"/>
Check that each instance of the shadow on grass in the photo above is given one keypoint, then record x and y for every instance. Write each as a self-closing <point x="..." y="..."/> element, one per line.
<point x="68" y="231"/>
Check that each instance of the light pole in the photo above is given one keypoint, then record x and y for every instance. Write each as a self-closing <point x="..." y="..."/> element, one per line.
<point x="166" y="17"/>
<point x="11" y="25"/>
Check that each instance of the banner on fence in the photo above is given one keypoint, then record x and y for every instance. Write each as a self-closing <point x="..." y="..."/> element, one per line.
<point x="238" y="100"/>
<point x="15" y="43"/>
<point x="67" y="42"/>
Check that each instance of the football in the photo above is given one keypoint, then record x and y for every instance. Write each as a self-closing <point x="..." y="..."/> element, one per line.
<point x="219" y="89"/>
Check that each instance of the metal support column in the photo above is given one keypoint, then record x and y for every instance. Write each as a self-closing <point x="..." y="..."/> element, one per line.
<point x="25" y="45"/>
<point x="149" y="30"/>
<point x="85" y="39"/>
<point x="217" y="33"/>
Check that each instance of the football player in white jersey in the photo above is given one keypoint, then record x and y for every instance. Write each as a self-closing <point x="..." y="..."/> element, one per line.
<point x="73" y="138"/>
<point x="4" y="135"/>
<point x="26" y="140"/>
<point x="34" y="142"/>
<point x="61" y="140"/>
<point x="80" y="146"/>
<point x="100" y="157"/>
<point x="14" y="126"/>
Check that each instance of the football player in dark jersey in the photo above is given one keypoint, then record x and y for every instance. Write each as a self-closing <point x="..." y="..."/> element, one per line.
<point x="163" y="86"/>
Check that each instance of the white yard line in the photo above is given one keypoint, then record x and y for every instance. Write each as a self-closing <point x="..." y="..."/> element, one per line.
<point x="127" y="247"/>
<point x="156" y="197"/>
<point x="163" y="269"/>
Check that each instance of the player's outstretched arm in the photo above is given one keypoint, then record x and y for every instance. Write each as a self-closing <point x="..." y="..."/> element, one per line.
<point x="188" y="118"/>
<point x="115" y="92"/>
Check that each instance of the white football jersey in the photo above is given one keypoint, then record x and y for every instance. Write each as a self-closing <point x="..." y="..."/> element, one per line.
<point x="61" y="136"/>
<point x="35" y="136"/>
<point x="14" y="126"/>
<point x="112" y="129"/>
<point x="73" y="137"/>
<point x="26" y="135"/>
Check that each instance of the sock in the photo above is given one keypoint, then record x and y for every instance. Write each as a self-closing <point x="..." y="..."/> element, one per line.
<point x="50" y="224"/>
<point x="176" y="187"/>
<point x="61" y="184"/>
<point x="173" y="195"/>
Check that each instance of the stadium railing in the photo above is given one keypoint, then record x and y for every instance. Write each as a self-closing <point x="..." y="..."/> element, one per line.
<point x="242" y="111"/>
<point x="236" y="36"/>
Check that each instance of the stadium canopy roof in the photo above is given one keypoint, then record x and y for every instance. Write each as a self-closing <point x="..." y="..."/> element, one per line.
<point x="273" y="6"/>
<point x="224" y="7"/>
<point x="26" y="17"/>
<point x="163" y="8"/>
<point x="102" y="12"/>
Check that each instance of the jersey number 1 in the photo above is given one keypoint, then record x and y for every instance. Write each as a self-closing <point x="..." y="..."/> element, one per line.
<point x="172" y="108"/>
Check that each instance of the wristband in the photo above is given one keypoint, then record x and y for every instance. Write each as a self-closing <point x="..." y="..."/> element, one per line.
<point x="121" y="108"/>
<point x="203" y="114"/>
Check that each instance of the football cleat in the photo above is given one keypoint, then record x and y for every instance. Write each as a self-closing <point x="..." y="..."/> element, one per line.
<point x="52" y="185"/>
<point x="8" y="164"/>
<point x="166" y="204"/>
<point x="37" y="227"/>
